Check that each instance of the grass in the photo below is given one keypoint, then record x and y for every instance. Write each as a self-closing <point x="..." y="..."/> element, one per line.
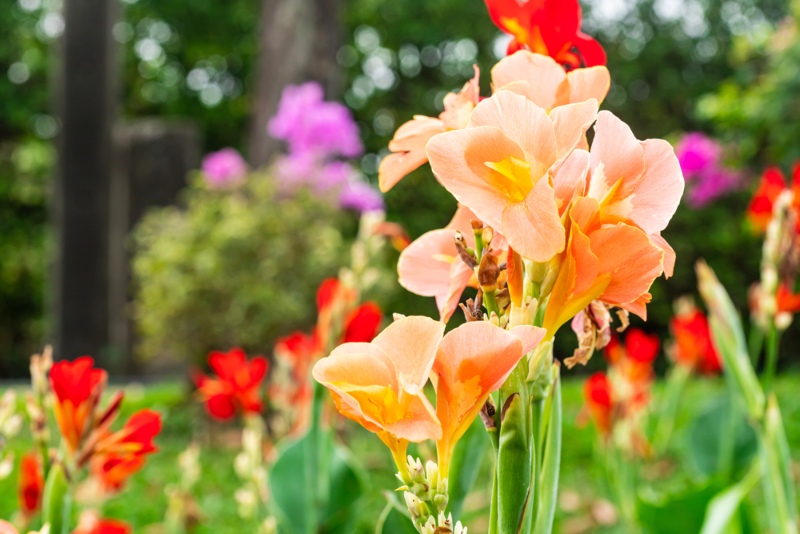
<point x="143" y="502"/>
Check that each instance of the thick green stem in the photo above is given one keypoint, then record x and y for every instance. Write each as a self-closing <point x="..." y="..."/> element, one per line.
<point x="755" y="343"/>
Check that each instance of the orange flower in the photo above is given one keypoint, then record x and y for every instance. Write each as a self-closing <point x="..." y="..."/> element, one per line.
<point x="431" y="265"/>
<point x="380" y="384"/>
<point x="772" y="184"/>
<point x="31" y="484"/>
<point x="693" y="345"/>
<point x="549" y="27"/>
<point x="77" y="387"/>
<point x="119" y="455"/>
<point x="408" y="144"/>
<point x="473" y="361"/>
<point x="238" y="387"/>
<point x="500" y="166"/>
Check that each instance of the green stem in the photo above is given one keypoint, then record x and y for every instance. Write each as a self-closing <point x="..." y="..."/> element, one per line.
<point x="676" y="381"/>
<point x="755" y="343"/>
<point x="490" y="303"/>
<point x="727" y="439"/>
<point x="773" y="343"/>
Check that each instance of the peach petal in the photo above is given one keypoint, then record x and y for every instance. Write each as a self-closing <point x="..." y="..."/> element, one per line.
<point x="458" y="106"/>
<point x="424" y="266"/>
<point x="669" y="253"/>
<point x="633" y="261"/>
<point x="530" y="336"/>
<point x="419" y="422"/>
<point x="408" y="146"/>
<point x="356" y="364"/>
<point x="460" y="276"/>
<point x="533" y="227"/>
<point x="524" y="123"/>
<point x="535" y="76"/>
<point x="592" y="82"/>
<point x="458" y="160"/>
<point x="411" y="342"/>
<point x="656" y="196"/>
<point x="570" y="123"/>
<point x="616" y="154"/>
<point x="569" y="180"/>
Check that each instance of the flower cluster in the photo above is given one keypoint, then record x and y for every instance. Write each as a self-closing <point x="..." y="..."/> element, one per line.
<point x="707" y="177"/>
<point x="224" y="168"/>
<point x="693" y="347"/>
<point x="617" y="400"/>
<point x="775" y="210"/>
<point x="237" y="386"/>
<point x="317" y="133"/>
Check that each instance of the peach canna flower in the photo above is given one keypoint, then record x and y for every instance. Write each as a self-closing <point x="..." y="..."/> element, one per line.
<point x="500" y="167"/>
<point x="77" y="386"/>
<point x="474" y="360"/>
<point x="431" y="266"/>
<point x="544" y="82"/>
<point x="380" y="384"/>
<point x="408" y="144"/>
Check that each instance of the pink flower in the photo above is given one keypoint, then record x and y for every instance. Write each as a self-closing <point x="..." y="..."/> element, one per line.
<point x="224" y="168"/>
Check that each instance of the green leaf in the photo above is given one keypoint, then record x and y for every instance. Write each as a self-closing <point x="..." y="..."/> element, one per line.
<point x="287" y="483"/>
<point x="722" y="514"/>
<point x="57" y="501"/>
<point x="675" y="513"/>
<point x="347" y="484"/>
<point x="551" y="464"/>
<point x="514" y="463"/>
<point x="776" y="465"/>
<point x="465" y="465"/>
<point x="726" y="329"/>
<point x="705" y="446"/>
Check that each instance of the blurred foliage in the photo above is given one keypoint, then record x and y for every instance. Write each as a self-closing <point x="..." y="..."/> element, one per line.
<point x="235" y="267"/>
<point x="195" y="59"/>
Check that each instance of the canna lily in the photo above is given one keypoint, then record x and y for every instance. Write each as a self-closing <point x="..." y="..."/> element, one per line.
<point x="90" y="523"/>
<point x="541" y="80"/>
<point x="408" y="144"/>
<point x="693" y="345"/>
<point x="238" y="386"/>
<point x="77" y="387"/>
<point x="31" y="484"/>
<point x="598" y="396"/>
<point x="380" y="384"/>
<point x="118" y="455"/>
<point x="334" y="299"/>
<point x="500" y="167"/>
<point x="474" y="360"/>
<point x="431" y="266"/>
<point x="772" y="184"/>
<point x="549" y="27"/>
<point x="619" y="197"/>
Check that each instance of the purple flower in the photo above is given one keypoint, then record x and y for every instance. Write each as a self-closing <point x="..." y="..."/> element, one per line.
<point x="309" y="125"/>
<point x="224" y="168"/>
<point x="361" y="197"/>
<point x="712" y="184"/>
<point x="696" y="153"/>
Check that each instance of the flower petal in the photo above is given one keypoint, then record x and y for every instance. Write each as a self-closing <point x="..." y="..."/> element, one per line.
<point x="410" y="343"/>
<point x="592" y="82"/>
<point x="408" y="147"/>
<point x="617" y="151"/>
<point x="535" y="76"/>
<point x="533" y="227"/>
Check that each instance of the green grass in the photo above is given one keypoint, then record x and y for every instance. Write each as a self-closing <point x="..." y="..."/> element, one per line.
<point x="143" y="501"/>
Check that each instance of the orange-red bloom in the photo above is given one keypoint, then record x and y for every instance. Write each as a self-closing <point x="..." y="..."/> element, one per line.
<point x="77" y="387"/>
<point x="334" y="300"/>
<point x="119" y="455"/>
<point x="91" y="524"/>
<point x="693" y="345"/>
<point x="31" y="484"/>
<point x="238" y="387"/>
<point x="548" y="27"/>
<point x="772" y="184"/>
<point x="597" y="395"/>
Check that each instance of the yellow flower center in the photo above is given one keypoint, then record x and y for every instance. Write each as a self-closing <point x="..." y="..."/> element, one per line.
<point x="512" y="176"/>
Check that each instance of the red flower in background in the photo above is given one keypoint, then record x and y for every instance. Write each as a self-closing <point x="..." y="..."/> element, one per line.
<point x="31" y="484"/>
<point x="77" y="386"/>
<point x="636" y="357"/>
<point x="119" y="455"/>
<point x="362" y="324"/>
<point x="786" y="301"/>
<point x="547" y="27"/>
<point x="334" y="300"/>
<point x="693" y="345"/>
<point x="772" y="184"/>
<point x="91" y="524"/>
<point x="599" y="400"/>
<point x="238" y="386"/>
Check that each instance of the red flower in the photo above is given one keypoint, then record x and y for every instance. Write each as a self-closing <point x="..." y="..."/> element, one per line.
<point x="547" y="27"/>
<point x="31" y="484"/>
<point x="362" y="324"/>
<point x="693" y="345"/>
<point x="77" y="386"/>
<point x="772" y="184"/>
<point x="598" y="396"/>
<point x="91" y="524"/>
<point x="786" y="301"/>
<point x="637" y="357"/>
<point x="119" y="455"/>
<point x="238" y="387"/>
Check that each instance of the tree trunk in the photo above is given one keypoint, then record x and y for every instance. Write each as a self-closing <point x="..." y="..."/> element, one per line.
<point x="299" y="40"/>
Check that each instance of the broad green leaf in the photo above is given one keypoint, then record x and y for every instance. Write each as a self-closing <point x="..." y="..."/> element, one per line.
<point x="395" y="518"/>
<point x="57" y="501"/>
<point x="468" y="456"/>
<point x="287" y="483"/>
<point x="707" y="431"/>
<point x="551" y="464"/>
<point x="722" y="514"/>
<point x="347" y="487"/>
<point x="675" y="513"/>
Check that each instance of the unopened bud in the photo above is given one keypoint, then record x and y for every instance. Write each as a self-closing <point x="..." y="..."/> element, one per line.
<point x="540" y="356"/>
<point x="487" y="235"/>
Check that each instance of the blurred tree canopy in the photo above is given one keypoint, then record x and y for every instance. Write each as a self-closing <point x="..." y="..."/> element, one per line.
<point x="195" y="59"/>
